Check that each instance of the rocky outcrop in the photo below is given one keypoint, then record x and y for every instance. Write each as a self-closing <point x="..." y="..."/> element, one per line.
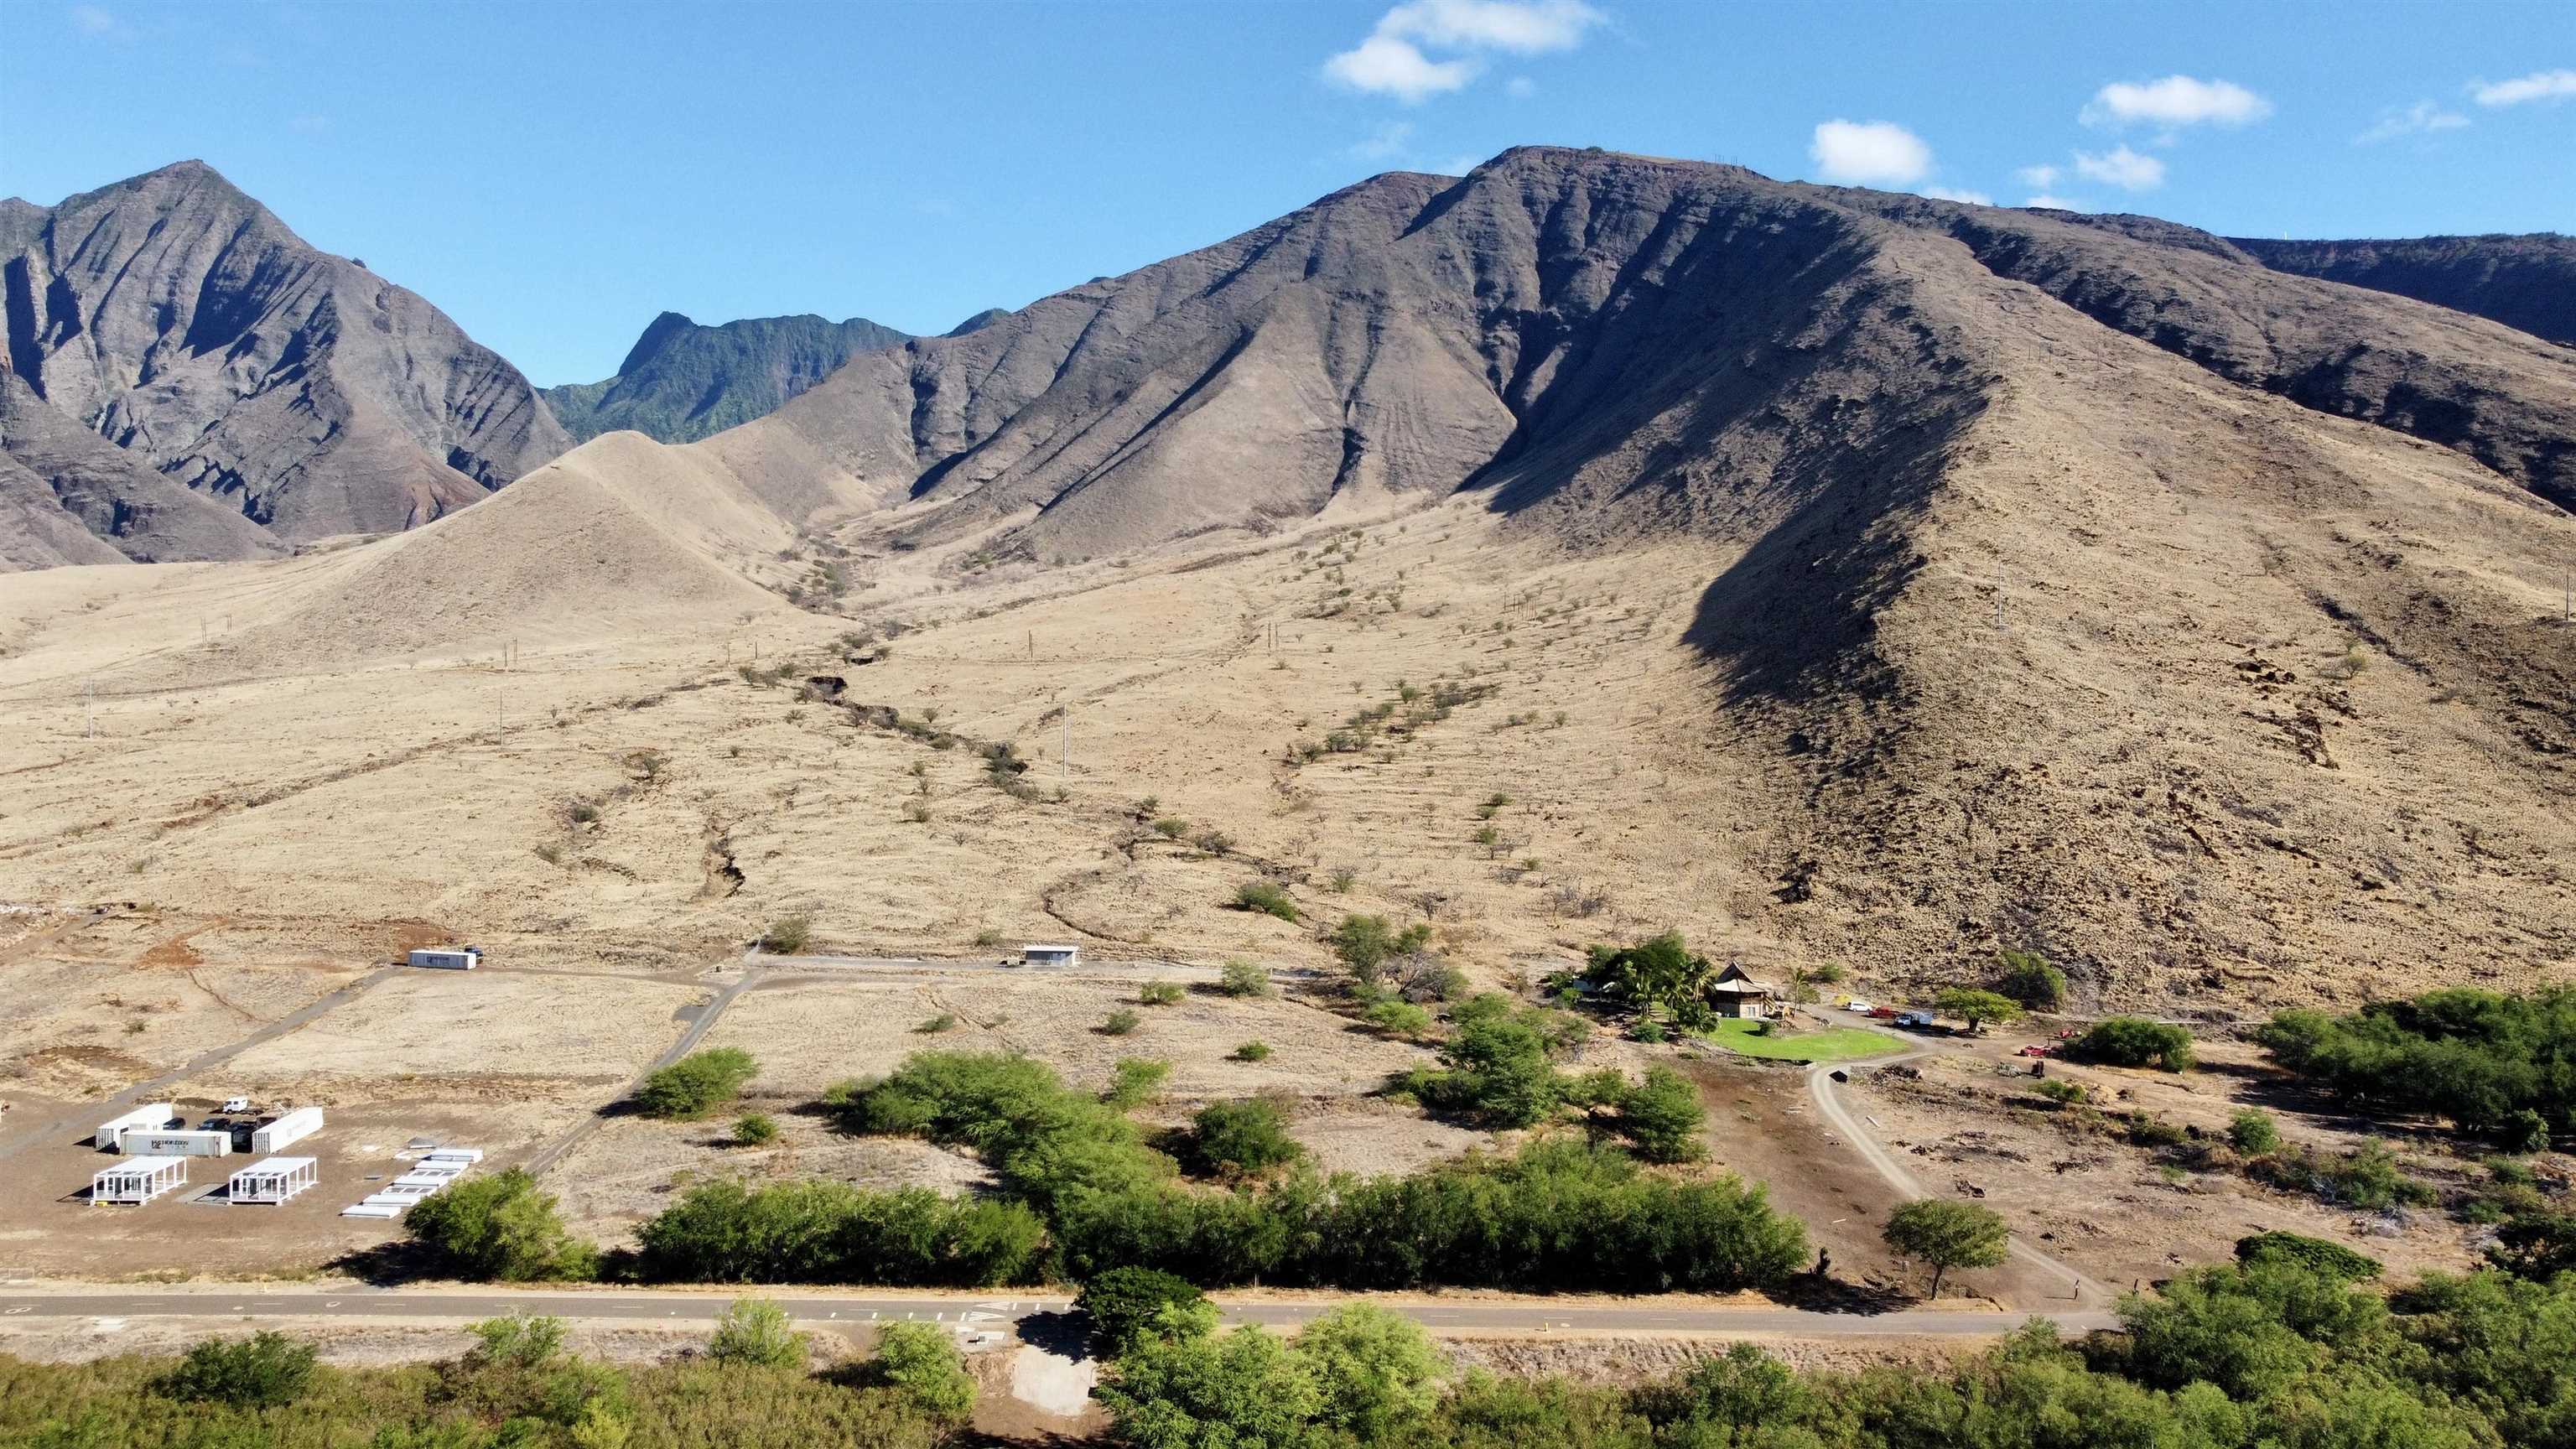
<point x="682" y="381"/>
<point x="176" y="319"/>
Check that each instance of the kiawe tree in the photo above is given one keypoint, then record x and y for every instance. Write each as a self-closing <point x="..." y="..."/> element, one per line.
<point x="1947" y="1235"/>
<point x="1976" y="1008"/>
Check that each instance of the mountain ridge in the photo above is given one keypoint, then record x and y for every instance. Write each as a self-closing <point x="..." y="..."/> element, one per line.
<point x="178" y="319"/>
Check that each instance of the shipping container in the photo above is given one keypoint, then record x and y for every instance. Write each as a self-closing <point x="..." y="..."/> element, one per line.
<point x="288" y="1130"/>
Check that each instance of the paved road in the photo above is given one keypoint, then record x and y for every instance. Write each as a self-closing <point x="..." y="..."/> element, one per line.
<point x="90" y="1115"/>
<point x="1821" y="1086"/>
<point x="1461" y="1318"/>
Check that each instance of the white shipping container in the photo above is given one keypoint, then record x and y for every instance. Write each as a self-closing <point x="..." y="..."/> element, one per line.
<point x="137" y="1143"/>
<point x="151" y="1116"/>
<point x="465" y="960"/>
<point x="292" y="1128"/>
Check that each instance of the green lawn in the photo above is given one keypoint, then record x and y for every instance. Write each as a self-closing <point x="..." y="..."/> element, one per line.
<point x="1834" y="1044"/>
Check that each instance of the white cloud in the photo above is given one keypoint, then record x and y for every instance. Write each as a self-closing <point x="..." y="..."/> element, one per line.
<point x="2177" y="100"/>
<point x="1387" y="140"/>
<point x="2121" y="167"/>
<point x="1869" y="151"/>
<point x="2408" y="120"/>
<point x="2540" y="85"/>
<point x="1520" y="88"/>
<point x="2054" y="203"/>
<point x="1523" y="27"/>
<point x="1944" y="193"/>
<point x="1384" y="65"/>
<point x="2042" y="177"/>
<point x="1394" y="61"/>
<point x="1459" y="165"/>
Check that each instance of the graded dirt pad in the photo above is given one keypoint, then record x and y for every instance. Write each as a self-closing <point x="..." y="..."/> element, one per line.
<point x="445" y="1023"/>
<point x="97" y="1001"/>
<point x="864" y="1022"/>
<point x="633" y="1167"/>
<point x="1969" y="1126"/>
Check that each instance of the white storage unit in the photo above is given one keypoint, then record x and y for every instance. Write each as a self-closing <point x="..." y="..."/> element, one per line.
<point x="1043" y="955"/>
<point x="151" y="1117"/>
<point x="404" y="1192"/>
<point x="288" y="1130"/>
<point x="427" y="1182"/>
<point x="448" y="959"/>
<point x="134" y="1142"/>
<point x="272" y="1180"/>
<point x="137" y="1180"/>
<point x="466" y="1155"/>
<point x="371" y="1209"/>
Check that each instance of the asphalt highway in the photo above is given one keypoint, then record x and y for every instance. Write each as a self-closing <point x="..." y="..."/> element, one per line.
<point x="1462" y="1317"/>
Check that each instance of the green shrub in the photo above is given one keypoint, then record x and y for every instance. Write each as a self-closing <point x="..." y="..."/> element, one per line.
<point x="1120" y="1022"/>
<point x="787" y="936"/>
<point x="518" y="1339"/>
<point x="1252" y="1051"/>
<point x="262" y="1371"/>
<point x="2027" y="977"/>
<point x="1375" y="1372"/>
<point x="1125" y="1304"/>
<point x="696" y="1084"/>
<point x="2148" y="1130"/>
<point x="831" y="1232"/>
<point x="1214" y="842"/>
<point x="2063" y="1093"/>
<point x="2134" y="1041"/>
<point x="1244" y="978"/>
<point x="1243" y="1138"/>
<point x="2524" y="1130"/>
<point x="1134" y="1082"/>
<point x="2252" y="1132"/>
<point x="925" y="1368"/>
<point x="756" y="1331"/>
<point x="1171" y="827"/>
<point x="1977" y="1008"/>
<point x="498" y="1227"/>
<point x="752" y="1129"/>
<point x="1265" y="897"/>
<point x="1497" y="1068"/>
<point x="944" y="1021"/>
<point x="1399" y="1018"/>
<point x="1662" y="1115"/>
<point x="1367" y="943"/>
<point x="2316" y="1255"/>
<point x="1159" y="993"/>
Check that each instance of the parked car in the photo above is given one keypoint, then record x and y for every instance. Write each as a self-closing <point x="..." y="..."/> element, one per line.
<point x="2038" y="1049"/>
<point x="236" y="1104"/>
<point x="1882" y="1013"/>
<point x="1863" y="1007"/>
<point x="1912" y="1019"/>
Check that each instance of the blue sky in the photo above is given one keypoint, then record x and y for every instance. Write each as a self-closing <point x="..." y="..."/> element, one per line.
<point x="553" y="174"/>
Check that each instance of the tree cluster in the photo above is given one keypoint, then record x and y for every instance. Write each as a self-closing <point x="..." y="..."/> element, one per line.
<point x="2487" y="1061"/>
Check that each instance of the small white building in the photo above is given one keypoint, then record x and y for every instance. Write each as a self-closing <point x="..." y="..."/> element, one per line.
<point x="137" y="1180"/>
<point x="449" y="958"/>
<point x="151" y="1117"/>
<point x="1035" y="955"/>
<point x="465" y="1156"/>
<point x="272" y="1180"/>
<point x="288" y="1130"/>
<point x="136" y="1142"/>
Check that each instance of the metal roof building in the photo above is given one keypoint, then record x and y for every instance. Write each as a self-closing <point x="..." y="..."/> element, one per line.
<point x="271" y="1180"/>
